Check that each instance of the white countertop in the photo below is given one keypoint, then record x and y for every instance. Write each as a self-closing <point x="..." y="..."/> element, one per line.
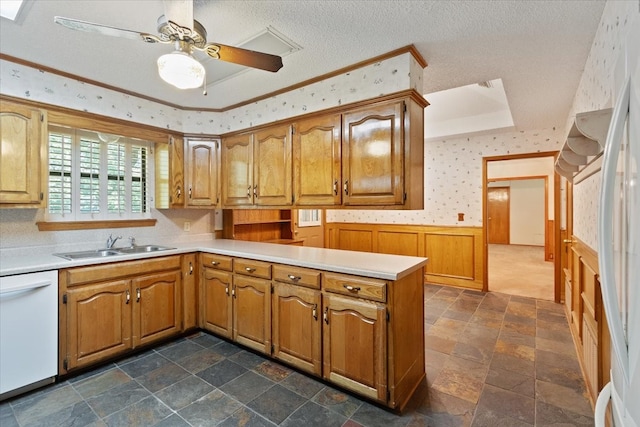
<point x="381" y="266"/>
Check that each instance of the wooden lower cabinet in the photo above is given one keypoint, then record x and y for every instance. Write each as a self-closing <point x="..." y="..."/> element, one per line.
<point x="355" y="345"/>
<point x="109" y="309"/>
<point x="252" y="312"/>
<point x="296" y="326"/>
<point x="216" y="304"/>
<point x="156" y="309"/>
<point x="363" y="334"/>
<point x="98" y="322"/>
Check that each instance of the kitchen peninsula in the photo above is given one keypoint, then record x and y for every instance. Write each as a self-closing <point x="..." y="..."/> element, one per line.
<point x="352" y="318"/>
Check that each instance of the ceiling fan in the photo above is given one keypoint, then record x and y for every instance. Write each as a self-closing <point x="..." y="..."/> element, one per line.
<point x="177" y="26"/>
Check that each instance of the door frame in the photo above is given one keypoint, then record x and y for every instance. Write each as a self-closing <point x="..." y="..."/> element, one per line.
<point x="557" y="267"/>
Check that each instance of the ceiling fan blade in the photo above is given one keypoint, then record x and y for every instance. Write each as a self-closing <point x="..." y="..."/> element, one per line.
<point x="249" y="58"/>
<point x="90" y="27"/>
<point x="180" y="12"/>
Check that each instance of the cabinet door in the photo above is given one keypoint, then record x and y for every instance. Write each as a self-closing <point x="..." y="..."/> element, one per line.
<point x="355" y="345"/>
<point x="189" y="292"/>
<point x="296" y="327"/>
<point x="23" y="155"/>
<point x="98" y="322"/>
<point x="316" y="160"/>
<point x="272" y="166"/>
<point x="237" y="170"/>
<point x="216" y="302"/>
<point x="202" y="172"/>
<point x="156" y="307"/>
<point x="252" y="312"/>
<point x="372" y="156"/>
<point x="169" y="174"/>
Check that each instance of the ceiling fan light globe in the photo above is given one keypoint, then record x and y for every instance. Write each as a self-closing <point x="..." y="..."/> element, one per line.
<point x="181" y="70"/>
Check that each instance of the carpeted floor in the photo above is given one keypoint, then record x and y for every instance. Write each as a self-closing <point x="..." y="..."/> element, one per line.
<point x="520" y="270"/>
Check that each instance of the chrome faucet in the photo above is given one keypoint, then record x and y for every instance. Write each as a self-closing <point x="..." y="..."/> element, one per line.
<point x="132" y="241"/>
<point x="111" y="241"/>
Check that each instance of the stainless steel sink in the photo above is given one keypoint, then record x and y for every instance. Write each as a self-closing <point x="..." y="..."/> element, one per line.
<point x="101" y="253"/>
<point x="143" y="249"/>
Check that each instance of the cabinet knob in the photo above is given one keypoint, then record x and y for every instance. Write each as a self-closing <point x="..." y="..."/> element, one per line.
<point x="214" y="263"/>
<point x="128" y="297"/>
<point x="249" y="192"/>
<point x="178" y="193"/>
<point x="255" y="191"/>
<point x="189" y="192"/>
<point x="294" y="278"/>
<point x="137" y="294"/>
<point x="226" y="290"/>
<point x="335" y="187"/>
<point x="567" y="241"/>
<point x="346" y="187"/>
<point x="190" y="268"/>
<point x="325" y="315"/>
<point x="314" y="313"/>
<point x="249" y="269"/>
<point x="351" y="288"/>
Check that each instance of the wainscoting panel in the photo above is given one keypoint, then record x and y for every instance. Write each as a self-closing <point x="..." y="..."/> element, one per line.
<point x="455" y="253"/>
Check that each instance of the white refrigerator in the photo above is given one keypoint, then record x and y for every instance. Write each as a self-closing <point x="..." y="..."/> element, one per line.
<point x="619" y="242"/>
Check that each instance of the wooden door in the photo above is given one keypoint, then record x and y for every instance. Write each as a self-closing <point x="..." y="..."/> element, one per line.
<point x="23" y="155"/>
<point x="498" y="215"/>
<point x="169" y="174"/>
<point x="202" y="172"/>
<point x="156" y="307"/>
<point x="372" y="156"/>
<point x="237" y="170"/>
<point x="317" y="159"/>
<point x="296" y="327"/>
<point x="98" y="322"/>
<point x="216" y="302"/>
<point x="272" y="167"/>
<point x="355" y="345"/>
<point x="252" y="313"/>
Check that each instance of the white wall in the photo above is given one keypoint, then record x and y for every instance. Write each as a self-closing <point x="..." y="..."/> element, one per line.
<point x="527" y="212"/>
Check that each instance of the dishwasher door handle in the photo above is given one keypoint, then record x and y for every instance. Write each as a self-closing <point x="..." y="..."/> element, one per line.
<point x="24" y="287"/>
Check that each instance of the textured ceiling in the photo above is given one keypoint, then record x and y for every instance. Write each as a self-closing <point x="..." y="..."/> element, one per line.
<point x="538" y="48"/>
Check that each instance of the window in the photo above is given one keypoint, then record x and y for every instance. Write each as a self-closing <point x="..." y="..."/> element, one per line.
<point x="96" y="176"/>
<point x="309" y="217"/>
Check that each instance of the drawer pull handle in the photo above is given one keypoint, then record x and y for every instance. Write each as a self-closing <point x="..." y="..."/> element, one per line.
<point x="214" y="263"/>
<point x="346" y="188"/>
<point x="249" y="269"/>
<point x="294" y="278"/>
<point x="351" y="288"/>
<point x="226" y="290"/>
<point x="233" y="292"/>
<point x="255" y="191"/>
<point x="249" y="192"/>
<point x="325" y="316"/>
<point x="335" y="187"/>
<point x="190" y="268"/>
<point x="137" y="294"/>
<point x="315" y="311"/>
<point x="128" y="296"/>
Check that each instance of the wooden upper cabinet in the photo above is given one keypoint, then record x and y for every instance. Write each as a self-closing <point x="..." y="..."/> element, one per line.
<point x="23" y="156"/>
<point x="237" y="170"/>
<point x="203" y="175"/>
<point x="372" y="155"/>
<point x="316" y="159"/>
<point x="169" y="174"/>
<point x="272" y="166"/>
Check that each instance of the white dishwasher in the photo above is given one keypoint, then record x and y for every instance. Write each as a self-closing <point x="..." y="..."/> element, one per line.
<point x="28" y="331"/>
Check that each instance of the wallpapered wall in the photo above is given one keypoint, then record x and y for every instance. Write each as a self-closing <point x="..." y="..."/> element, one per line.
<point x="598" y="90"/>
<point x="453" y="178"/>
<point x="392" y="75"/>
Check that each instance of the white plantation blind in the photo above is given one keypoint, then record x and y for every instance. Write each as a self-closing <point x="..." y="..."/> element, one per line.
<point x="94" y="178"/>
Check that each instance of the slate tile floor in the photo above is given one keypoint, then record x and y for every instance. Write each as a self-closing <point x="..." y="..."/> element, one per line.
<point x="491" y="360"/>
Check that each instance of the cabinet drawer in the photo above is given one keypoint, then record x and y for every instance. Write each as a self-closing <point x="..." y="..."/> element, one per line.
<point x="361" y="287"/>
<point x="297" y="276"/>
<point x="219" y="262"/>
<point x="252" y="268"/>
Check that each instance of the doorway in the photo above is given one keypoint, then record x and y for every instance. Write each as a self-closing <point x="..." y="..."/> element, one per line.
<point x="521" y="227"/>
